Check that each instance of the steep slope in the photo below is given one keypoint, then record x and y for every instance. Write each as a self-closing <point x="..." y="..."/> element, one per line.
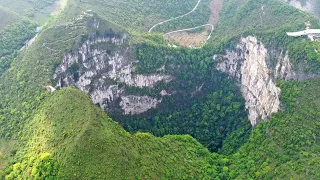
<point x="71" y="138"/>
<point x="123" y="76"/>
<point x="311" y="6"/>
<point x="256" y="51"/>
<point x="83" y="143"/>
<point x="37" y="10"/>
<point x="141" y="15"/>
<point x="146" y="85"/>
<point x="7" y="17"/>
<point x="287" y="147"/>
<point x="12" y="38"/>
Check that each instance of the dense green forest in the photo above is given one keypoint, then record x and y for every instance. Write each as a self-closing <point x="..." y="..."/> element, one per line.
<point x="284" y="148"/>
<point x="216" y="103"/>
<point x="36" y="10"/>
<point x="15" y="36"/>
<point x="248" y="18"/>
<point x="201" y="131"/>
<point x="7" y="17"/>
<point x="12" y="38"/>
<point x="141" y="15"/>
<point x="197" y="18"/>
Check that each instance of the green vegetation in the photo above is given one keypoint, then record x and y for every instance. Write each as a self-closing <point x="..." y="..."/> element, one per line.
<point x="37" y="10"/>
<point x="72" y="138"/>
<point x="257" y="18"/>
<point x="65" y="129"/>
<point x="6" y="151"/>
<point x="210" y="120"/>
<point x="63" y="135"/>
<point x="287" y="147"/>
<point x="7" y="17"/>
<point x="139" y="15"/>
<point x="30" y="72"/>
<point x="14" y="36"/>
<point x="204" y="105"/>
<point x="197" y="18"/>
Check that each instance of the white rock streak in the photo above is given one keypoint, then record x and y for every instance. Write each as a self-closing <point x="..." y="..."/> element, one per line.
<point x="138" y="104"/>
<point x="99" y="74"/>
<point x="248" y="65"/>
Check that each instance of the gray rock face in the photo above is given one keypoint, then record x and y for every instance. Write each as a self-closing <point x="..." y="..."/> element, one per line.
<point x="124" y="73"/>
<point x="283" y="69"/>
<point x="248" y="64"/>
<point x="304" y="5"/>
<point x="138" y="104"/>
<point x="103" y="67"/>
<point x="256" y="70"/>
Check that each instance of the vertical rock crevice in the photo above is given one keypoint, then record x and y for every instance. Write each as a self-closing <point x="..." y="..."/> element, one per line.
<point x="103" y="67"/>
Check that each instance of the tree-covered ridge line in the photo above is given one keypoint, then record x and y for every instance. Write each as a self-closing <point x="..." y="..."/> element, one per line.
<point x="13" y="38"/>
<point x="87" y="133"/>
<point x="138" y="15"/>
<point x="59" y="133"/>
<point x="250" y="19"/>
<point x="277" y="149"/>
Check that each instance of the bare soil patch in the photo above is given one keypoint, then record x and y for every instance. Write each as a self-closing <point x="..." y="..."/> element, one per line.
<point x="215" y="6"/>
<point x="188" y="39"/>
<point x="192" y="40"/>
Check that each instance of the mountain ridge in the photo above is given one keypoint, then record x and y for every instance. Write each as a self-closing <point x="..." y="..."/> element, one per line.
<point x="63" y="134"/>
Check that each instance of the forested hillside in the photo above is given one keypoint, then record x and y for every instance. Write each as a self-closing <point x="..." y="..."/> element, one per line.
<point x="7" y="17"/>
<point x="95" y="96"/>
<point x="61" y="145"/>
<point x="37" y="10"/>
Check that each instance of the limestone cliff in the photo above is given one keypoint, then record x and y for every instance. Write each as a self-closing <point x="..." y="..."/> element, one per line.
<point x="304" y="5"/>
<point x="256" y="70"/>
<point x="248" y="64"/>
<point x="103" y="66"/>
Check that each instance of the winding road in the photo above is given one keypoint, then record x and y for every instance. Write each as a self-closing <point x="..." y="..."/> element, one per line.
<point x="176" y="17"/>
<point x="188" y="29"/>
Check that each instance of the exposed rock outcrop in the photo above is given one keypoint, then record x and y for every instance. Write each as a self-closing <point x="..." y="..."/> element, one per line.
<point x="283" y="69"/>
<point x="248" y="64"/>
<point x="103" y="67"/>
<point x="256" y="70"/>
<point x="304" y="5"/>
<point x="138" y="104"/>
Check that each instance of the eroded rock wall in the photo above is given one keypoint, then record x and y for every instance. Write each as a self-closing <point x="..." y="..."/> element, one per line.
<point x="103" y="67"/>
<point x="304" y="5"/>
<point x="256" y="69"/>
<point x="248" y="64"/>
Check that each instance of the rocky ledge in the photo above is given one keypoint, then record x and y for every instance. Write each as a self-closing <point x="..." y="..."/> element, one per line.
<point x="103" y="67"/>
